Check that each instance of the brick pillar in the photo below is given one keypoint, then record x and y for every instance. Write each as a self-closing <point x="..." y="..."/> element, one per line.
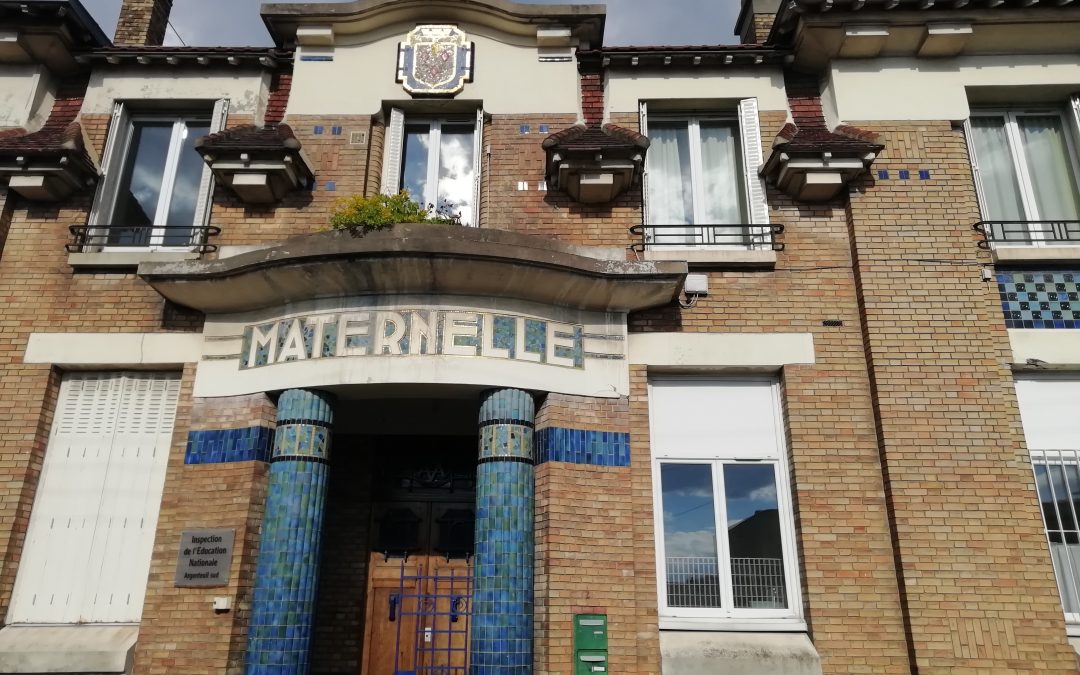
<point x="143" y="22"/>
<point x="502" y="623"/>
<point x="286" y="577"/>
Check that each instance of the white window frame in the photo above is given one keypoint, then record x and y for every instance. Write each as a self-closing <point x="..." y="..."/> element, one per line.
<point x="1057" y="457"/>
<point x="755" y="208"/>
<point x="117" y="156"/>
<point x="1017" y="154"/>
<point x="393" y="161"/>
<point x="728" y="617"/>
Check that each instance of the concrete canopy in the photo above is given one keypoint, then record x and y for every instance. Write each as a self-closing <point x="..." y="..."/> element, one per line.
<point x="417" y="259"/>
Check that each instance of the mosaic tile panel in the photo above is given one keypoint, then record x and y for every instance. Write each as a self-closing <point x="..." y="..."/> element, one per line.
<point x="1040" y="299"/>
<point x="221" y="446"/>
<point x="502" y="623"/>
<point x="582" y="446"/>
<point x="286" y="574"/>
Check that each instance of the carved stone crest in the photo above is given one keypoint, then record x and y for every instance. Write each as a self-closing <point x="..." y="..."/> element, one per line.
<point x="435" y="60"/>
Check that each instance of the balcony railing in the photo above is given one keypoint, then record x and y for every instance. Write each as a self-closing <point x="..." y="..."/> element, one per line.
<point x="756" y="582"/>
<point x="734" y="237"/>
<point x="86" y="238"/>
<point x="1028" y="232"/>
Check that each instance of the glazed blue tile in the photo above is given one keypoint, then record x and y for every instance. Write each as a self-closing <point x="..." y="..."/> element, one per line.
<point x="1046" y="300"/>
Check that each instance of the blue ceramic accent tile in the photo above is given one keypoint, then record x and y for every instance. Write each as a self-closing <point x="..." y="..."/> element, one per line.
<point x="336" y="131"/>
<point x="221" y="446"/>
<point x="582" y="446"/>
<point x="882" y="174"/>
<point x="544" y="128"/>
<point x="331" y="186"/>
<point x="319" y="130"/>
<point x="1048" y="300"/>
<point x="904" y="174"/>
<point x="524" y="128"/>
<point x="924" y="174"/>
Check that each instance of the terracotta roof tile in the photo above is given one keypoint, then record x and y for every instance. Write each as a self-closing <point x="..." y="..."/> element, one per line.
<point x="808" y="131"/>
<point x="592" y="138"/>
<point x="250" y="137"/>
<point x="61" y="133"/>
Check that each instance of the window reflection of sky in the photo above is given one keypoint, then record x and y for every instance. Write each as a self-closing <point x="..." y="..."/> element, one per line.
<point x="750" y="488"/>
<point x="453" y="193"/>
<point x="414" y="163"/>
<point x="689" y="517"/>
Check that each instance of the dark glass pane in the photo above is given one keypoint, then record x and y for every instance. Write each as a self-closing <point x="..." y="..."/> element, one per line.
<point x="140" y="185"/>
<point x="757" y="550"/>
<point x="1061" y="494"/>
<point x="690" y="551"/>
<point x="399" y="532"/>
<point x="185" y="192"/>
<point x="456" y="531"/>
<point x="1042" y="485"/>
<point x="415" y="150"/>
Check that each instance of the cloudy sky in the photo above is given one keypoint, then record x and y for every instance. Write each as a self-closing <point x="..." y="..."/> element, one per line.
<point x="629" y="22"/>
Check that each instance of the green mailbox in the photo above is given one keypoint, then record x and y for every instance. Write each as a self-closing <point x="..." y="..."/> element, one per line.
<point x="590" y="644"/>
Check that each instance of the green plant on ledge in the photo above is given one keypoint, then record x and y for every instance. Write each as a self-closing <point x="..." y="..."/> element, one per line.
<point x="361" y="215"/>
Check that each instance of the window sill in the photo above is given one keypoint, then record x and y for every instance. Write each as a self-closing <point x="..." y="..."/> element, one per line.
<point x="69" y="648"/>
<point x="694" y="652"/>
<point x="128" y="258"/>
<point x="734" y="625"/>
<point x="1025" y="254"/>
<point x="726" y="258"/>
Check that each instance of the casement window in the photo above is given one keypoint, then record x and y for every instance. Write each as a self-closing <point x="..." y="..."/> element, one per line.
<point x="724" y="524"/>
<point x="701" y="174"/>
<point x="91" y="533"/>
<point x="1048" y="406"/>
<point x="1025" y="167"/>
<point x="437" y="160"/>
<point x="156" y="190"/>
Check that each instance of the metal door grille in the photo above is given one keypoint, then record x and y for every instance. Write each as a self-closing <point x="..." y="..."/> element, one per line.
<point x="441" y="605"/>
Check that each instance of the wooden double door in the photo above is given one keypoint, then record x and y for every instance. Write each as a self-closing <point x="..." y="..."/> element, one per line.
<point x="419" y="592"/>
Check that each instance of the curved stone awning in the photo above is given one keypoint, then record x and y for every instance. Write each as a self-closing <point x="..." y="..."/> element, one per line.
<point x="417" y="259"/>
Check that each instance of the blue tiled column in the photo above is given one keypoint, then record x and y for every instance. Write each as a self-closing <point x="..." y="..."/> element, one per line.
<point x="502" y="621"/>
<point x="283" y="603"/>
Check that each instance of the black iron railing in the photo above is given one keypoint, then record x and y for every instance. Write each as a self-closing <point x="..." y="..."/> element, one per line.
<point x="752" y="237"/>
<point x="86" y="238"/>
<point x="1028" y="232"/>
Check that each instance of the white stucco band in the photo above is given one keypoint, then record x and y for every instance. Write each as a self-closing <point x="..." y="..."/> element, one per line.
<point x="626" y="88"/>
<point x="721" y="350"/>
<point x="861" y="90"/>
<point x="67" y="649"/>
<point x="694" y="653"/>
<point x="246" y="90"/>
<point x="114" y="349"/>
<point x="1045" y="349"/>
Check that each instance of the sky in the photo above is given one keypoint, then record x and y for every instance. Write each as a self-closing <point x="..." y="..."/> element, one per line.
<point x="629" y="22"/>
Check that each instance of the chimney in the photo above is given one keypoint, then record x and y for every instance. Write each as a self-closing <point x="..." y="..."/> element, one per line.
<point x="755" y="20"/>
<point x="143" y="22"/>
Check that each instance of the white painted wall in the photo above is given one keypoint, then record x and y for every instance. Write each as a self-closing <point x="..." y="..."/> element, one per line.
<point x="507" y="76"/>
<point x="25" y="99"/>
<point x="246" y="89"/>
<point x="626" y="87"/>
<point x="937" y="89"/>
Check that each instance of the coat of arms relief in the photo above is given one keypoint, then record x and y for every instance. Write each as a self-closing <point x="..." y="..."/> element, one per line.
<point x="435" y="60"/>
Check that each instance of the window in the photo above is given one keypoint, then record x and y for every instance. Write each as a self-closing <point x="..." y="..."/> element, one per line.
<point x="1026" y="174"/>
<point x="725" y="529"/>
<point x="701" y="174"/>
<point x="1052" y="431"/>
<point x="156" y="191"/>
<point x="87" y="553"/>
<point x="437" y="161"/>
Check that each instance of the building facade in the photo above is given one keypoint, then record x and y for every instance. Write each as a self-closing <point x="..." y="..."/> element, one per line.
<point x="754" y="358"/>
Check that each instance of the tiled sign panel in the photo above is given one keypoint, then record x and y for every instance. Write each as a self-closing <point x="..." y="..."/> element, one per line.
<point x="1040" y="299"/>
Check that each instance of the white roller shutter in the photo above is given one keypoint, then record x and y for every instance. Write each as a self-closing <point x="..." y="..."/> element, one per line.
<point x="757" y="207"/>
<point x="91" y="532"/>
<point x="392" y="146"/>
<point x="1048" y="406"/>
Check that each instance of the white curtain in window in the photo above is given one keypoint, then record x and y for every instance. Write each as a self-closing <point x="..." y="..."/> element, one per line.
<point x="671" y="190"/>
<point x="1049" y="166"/>
<point x="1000" y="186"/>
<point x="721" y="183"/>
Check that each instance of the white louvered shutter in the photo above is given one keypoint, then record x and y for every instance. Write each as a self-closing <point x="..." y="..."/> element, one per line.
<point x="1074" y="105"/>
<point x="478" y="165"/>
<point x="206" y="184"/>
<point x="643" y="127"/>
<point x="391" y="166"/>
<point x="975" y="175"/>
<point x="112" y="164"/>
<point x="91" y="532"/>
<point x="750" y="131"/>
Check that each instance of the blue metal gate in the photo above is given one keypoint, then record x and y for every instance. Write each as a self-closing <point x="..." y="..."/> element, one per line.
<point x="435" y="605"/>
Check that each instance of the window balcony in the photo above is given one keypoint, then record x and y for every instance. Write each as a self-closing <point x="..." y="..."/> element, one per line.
<point x="1030" y="240"/>
<point x="738" y="245"/>
<point x="129" y="245"/>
